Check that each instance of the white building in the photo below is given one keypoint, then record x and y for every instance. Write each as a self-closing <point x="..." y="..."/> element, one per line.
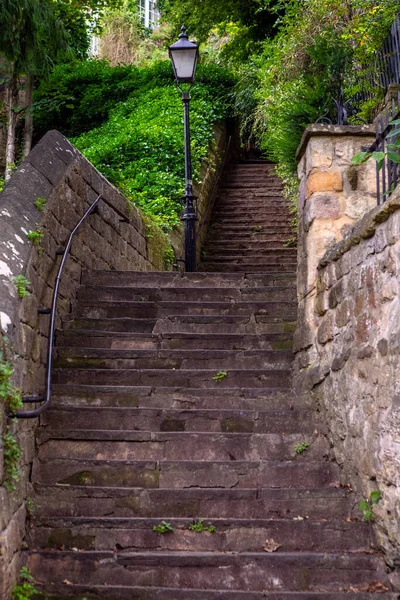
<point x="148" y="13"/>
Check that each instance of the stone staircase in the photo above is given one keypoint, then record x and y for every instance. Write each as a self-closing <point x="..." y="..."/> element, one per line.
<point x="172" y="403"/>
<point x="251" y="223"/>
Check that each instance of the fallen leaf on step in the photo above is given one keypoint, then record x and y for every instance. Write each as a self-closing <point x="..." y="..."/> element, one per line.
<point x="67" y="582"/>
<point x="298" y="518"/>
<point x="271" y="546"/>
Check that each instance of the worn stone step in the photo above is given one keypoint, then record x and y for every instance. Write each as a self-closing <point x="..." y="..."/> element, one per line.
<point x="238" y="228"/>
<point x="281" y="259"/>
<point x="266" y="222"/>
<point x="219" y="360"/>
<point x="236" y="324"/>
<point x="279" y="256"/>
<point x="251" y="243"/>
<point x="248" y="212"/>
<point x="116" y="293"/>
<point x="173" y="279"/>
<point x="99" y="309"/>
<point x="186" y="474"/>
<point x="174" y="398"/>
<point x="210" y="570"/>
<point x="255" y="245"/>
<point x="231" y="266"/>
<point x="117" y="445"/>
<point x="90" y="501"/>
<point x="162" y="341"/>
<point x="189" y="378"/>
<point x="199" y="420"/>
<point x="162" y="593"/>
<point x="247" y="236"/>
<point x="231" y="535"/>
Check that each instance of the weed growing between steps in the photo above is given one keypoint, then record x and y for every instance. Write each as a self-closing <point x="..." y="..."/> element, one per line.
<point x="163" y="527"/>
<point x="220" y="376"/>
<point x="302" y="447"/>
<point x="199" y="527"/>
<point x="25" y="590"/>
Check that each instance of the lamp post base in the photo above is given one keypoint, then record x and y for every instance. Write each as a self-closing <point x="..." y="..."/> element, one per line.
<point x="189" y="218"/>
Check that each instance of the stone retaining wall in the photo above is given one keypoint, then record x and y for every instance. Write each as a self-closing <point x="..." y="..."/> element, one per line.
<point x="114" y="238"/>
<point x="347" y="341"/>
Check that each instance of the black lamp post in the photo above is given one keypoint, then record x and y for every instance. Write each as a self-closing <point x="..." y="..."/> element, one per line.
<point x="184" y="56"/>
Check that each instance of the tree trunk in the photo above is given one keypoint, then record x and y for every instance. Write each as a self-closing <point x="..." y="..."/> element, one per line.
<point x="11" y="124"/>
<point x="28" y="132"/>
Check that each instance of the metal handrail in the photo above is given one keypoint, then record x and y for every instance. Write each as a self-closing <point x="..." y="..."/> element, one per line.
<point x="45" y="400"/>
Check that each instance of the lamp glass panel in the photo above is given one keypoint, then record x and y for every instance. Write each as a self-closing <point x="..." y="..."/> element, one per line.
<point x="184" y="61"/>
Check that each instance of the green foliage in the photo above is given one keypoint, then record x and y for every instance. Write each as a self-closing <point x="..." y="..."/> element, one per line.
<point x="392" y="149"/>
<point x="163" y="527"/>
<point x="40" y="204"/>
<point x="302" y="447"/>
<point x="220" y="376"/>
<point x="199" y="527"/>
<point x="31" y="507"/>
<point x="12" y="456"/>
<point x="135" y="121"/>
<point x="9" y="394"/>
<point x="169" y="256"/>
<point x="201" y="16"/>
<point x="367" y="505"/>
<point x="22" y="284"/>
<point x="2" y="183"/>
<point x="25" y="590"/>
<point x="36" y="236"/>
<point x="321" y="46"/>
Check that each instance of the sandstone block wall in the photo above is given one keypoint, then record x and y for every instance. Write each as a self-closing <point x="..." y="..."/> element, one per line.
<point x="114" y="238"/>
<point x="347" y="341"/>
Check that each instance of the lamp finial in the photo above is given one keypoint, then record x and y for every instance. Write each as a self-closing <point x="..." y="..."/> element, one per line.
<point x="183" y="34"/>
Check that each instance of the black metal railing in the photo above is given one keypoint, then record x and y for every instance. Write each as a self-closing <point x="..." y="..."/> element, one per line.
<point x="383" y="71"/>
<point x="388" y="59"/>
<point x="387" y="169"/>
<point x="44" y="400"/>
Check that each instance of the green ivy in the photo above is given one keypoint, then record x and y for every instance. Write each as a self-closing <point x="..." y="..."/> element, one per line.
<point x="12" y="456"/>
<point x="128" y="121"/>
<point x="9" y="394"/>
<point x="22" y="284"/>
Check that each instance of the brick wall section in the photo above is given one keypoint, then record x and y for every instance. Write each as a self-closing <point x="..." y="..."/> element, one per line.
<point x="115" y="238"/>
<point x="347" y="348"/>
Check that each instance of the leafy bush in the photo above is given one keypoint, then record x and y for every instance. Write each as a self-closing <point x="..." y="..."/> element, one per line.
<point x="137" y="143"/>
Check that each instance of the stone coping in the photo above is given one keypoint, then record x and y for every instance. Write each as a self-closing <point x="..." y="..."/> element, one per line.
<point x="325" y="130"/>
<point x="363" y="230"/>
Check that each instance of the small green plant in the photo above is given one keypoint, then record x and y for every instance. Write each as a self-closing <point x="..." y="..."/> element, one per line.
<point x="40" y="204"/>
<point x="31" y="507"/>
<point x="169" y="256"/>
<point x="199" y="527"/>
<point x="22" y="284"/>
<point x="163" y="527"/>
<point x="301" y="448"/>
<point x="257" y="228"/>
<point x="36" y="236"/>
<point x="2" y="183"/>
<point x="12" y="456"/>
<point x="367" y="505"/>
<point x="392" y="151"/>
<point x="25" y="590"/>
<point x="9" y="394"/>
<point x="220" y="376"/>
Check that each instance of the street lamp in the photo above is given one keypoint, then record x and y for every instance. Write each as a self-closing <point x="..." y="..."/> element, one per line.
<point x="184" y="56"/>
